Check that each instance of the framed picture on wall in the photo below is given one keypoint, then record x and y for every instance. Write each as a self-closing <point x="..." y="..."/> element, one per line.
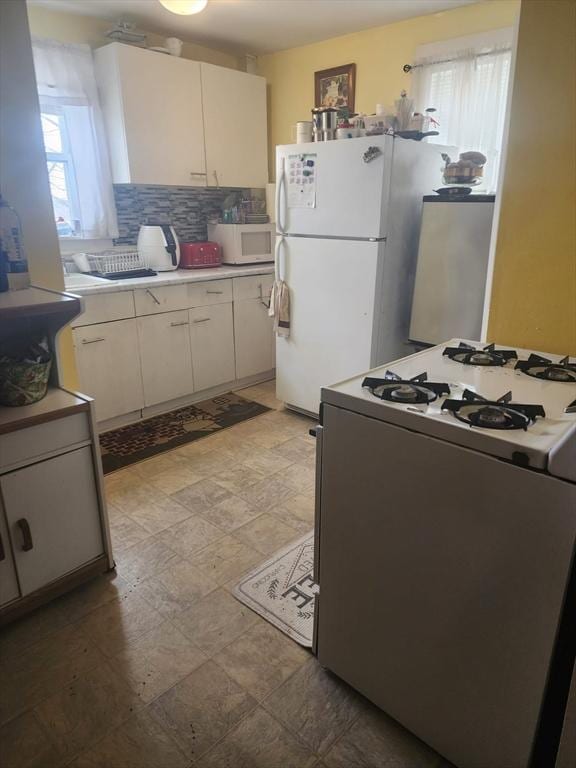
<point x="335" y="87"/>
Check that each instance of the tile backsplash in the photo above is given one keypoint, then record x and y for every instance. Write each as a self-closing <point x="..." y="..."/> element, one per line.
<point x="187" y="209"/>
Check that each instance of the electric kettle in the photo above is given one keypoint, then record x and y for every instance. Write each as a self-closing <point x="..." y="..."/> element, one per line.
<point x="158" y="247"/>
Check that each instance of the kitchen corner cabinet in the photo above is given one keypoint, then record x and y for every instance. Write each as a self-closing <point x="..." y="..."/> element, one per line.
<point x="109" y="367"/>
<point x="173" y="121"/>
<point x="152" y="106"/>
<point x="235" y="127"/>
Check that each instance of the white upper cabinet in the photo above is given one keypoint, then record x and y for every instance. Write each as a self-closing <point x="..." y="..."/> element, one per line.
<point x="235" y="128"/>
<point x="173" y="121"/>
<point x="152" y="106"/>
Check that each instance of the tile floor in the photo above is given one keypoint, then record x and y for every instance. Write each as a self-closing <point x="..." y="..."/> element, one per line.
<point x="158" y="666"/>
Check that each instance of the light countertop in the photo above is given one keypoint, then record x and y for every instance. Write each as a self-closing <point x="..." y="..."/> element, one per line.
<point x="177" y="277"/>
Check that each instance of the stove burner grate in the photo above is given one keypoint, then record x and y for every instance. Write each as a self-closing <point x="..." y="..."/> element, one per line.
<point x="477" y="411"/>
<point x="487" y="356"/>
<point x="413" y="391"/>
<point x="542" y="368"/>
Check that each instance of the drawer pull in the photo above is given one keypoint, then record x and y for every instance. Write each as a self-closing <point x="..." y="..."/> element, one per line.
<point x="219" y="293"/>
<point x="202" y="320"/>
<point x="175" y="325"/>
<point x="27" y="543"/>
<point x="2" y="550"/>
<point x="93" y="341"/>
<point x="197" y="173"/>
<point x="149" y="292"/>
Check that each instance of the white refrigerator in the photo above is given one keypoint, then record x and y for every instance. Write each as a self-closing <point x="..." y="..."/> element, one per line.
<point x="348" y="222"/>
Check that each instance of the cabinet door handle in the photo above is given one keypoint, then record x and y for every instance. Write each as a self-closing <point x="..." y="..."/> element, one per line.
<point x="149" y="292"/>
<point x="175" y="325"/>
<point x="215" y="174"/>
<point x="202" y="320"/>
<point x="2" y="550"/>
<point x="197" y="173"/>
<point x="216" y="293"/>
<point x="27" y="543"/>
<point x="93" y="341"/>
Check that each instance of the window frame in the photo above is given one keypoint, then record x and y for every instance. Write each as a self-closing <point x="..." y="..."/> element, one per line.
<point x="65" y="157"/>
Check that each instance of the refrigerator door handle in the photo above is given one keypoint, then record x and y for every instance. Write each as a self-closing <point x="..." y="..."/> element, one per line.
<point x="279" y="186"/>
<point x="279" y="267"/>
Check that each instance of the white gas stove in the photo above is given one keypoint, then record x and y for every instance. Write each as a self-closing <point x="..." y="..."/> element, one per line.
<point x="534" y="425"/>
<point x="445" y="547"/>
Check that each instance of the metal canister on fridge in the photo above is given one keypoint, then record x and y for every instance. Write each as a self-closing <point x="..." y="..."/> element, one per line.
<point x="325" y="122"/>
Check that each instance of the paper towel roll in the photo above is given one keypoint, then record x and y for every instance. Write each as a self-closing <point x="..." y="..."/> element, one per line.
<point x="271" y="201"/>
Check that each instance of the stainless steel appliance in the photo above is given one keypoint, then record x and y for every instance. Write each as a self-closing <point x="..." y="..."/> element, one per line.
<point x="445" y="541"/>
<point x="452" y="266"/>
<point x="325" y="122"/>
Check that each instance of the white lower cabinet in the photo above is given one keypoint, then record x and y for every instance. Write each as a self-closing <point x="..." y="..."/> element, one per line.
<point x="184" y="339"/>
<point x="53" y="517"/>
<point x="8" y="581"/>
<point x="254" y="338"/>
<point x="165" y="356"/>
<point x="109" y="367"/>
<point x="212" y="336"/>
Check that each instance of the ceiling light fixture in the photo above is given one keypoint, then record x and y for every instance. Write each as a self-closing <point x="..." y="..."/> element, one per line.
<point x="184" y="7"/>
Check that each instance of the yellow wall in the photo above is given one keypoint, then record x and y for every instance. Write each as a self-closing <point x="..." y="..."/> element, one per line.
<point x="77" y="28"/>
<point x="533" y="300"/>
<point x="23" y="172"/>
<point x="379" y="54"/>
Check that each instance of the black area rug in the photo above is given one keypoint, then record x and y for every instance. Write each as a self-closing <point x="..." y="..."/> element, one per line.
<point x="136" y="442"/>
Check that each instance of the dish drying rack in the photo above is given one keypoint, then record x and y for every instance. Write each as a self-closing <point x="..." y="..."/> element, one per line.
<point x="114" y="264"/>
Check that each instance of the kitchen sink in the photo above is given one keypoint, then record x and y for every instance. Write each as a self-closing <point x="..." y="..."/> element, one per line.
<point x="81" y="280"/>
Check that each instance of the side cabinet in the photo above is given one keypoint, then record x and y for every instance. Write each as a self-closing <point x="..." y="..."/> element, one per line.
<point x="53" y="517"/>
<point x="253" y="328"/>
<point x="8" y="581"/>
<point x="109" y="367"/>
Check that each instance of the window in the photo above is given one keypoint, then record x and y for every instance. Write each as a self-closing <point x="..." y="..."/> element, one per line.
<point x="61" y="172"/>
<point x="74" y="140"/>
<point x="467" y="82"/>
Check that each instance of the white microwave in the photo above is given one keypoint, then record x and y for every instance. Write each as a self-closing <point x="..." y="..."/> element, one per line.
<point x="244" y="243"/>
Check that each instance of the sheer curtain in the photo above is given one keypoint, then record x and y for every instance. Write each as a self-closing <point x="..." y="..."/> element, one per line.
<point x="469" y="89"/>
<point x="65" y="79"/>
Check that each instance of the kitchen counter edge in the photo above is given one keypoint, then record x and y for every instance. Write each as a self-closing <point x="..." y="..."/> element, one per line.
<point x="176" y="277"/>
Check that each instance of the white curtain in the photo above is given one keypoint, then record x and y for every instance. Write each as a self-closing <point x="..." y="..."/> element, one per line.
<point x="469" y="90"/>
<point x="65" y="78"/>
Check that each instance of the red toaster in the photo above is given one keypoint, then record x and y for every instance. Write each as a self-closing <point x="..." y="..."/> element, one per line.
<point x="200" y="255"/>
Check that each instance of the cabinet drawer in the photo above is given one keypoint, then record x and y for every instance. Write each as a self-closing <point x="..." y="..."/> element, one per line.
<point x="34" y="442"/>
<point x="253" y="287"/>
<point x="151" y="301"/>
<point x="106" y="307"/>
<point x="210" y="292"/>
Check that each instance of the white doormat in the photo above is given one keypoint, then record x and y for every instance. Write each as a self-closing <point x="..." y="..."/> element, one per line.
<point x="283" y="591"/>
